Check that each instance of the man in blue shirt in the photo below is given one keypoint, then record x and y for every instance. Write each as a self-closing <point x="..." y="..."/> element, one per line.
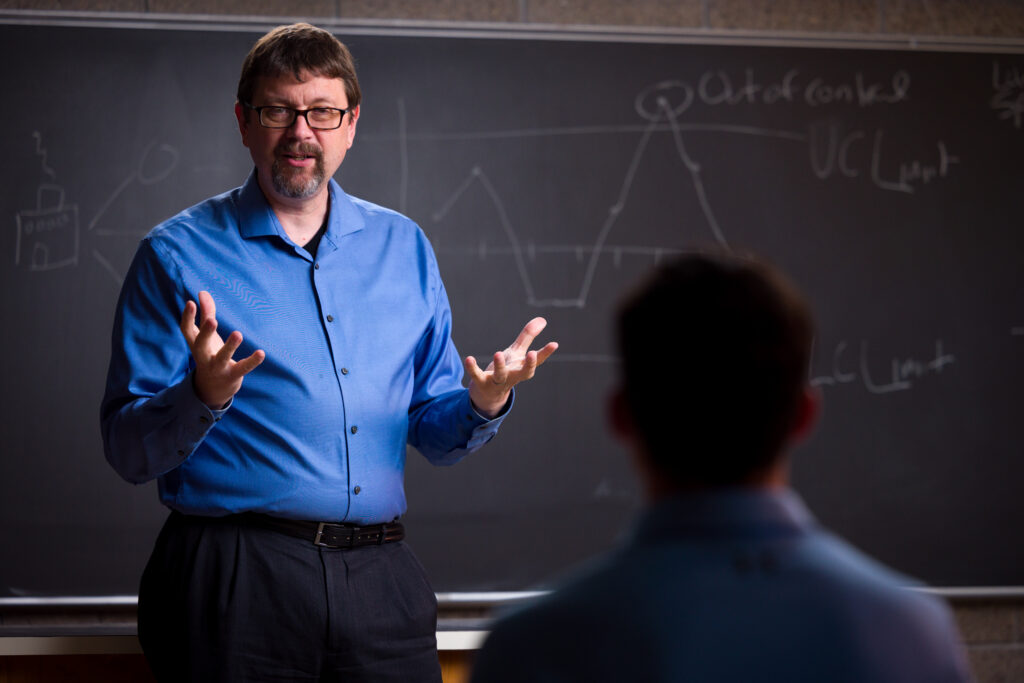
<point x="276" y="422"/>
<point x="726" y="576"/>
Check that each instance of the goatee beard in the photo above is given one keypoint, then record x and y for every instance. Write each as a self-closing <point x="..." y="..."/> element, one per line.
<point x="293" y="183"/>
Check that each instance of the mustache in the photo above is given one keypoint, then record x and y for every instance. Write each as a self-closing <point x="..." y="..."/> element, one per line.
<point x="306" y="149"/>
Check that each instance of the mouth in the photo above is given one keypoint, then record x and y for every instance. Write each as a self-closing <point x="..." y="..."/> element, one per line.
<point x="299" y="157"/>
<point x="299" y="161"/>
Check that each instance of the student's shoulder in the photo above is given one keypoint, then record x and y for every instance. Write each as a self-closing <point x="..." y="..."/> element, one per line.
<point x="870" y="586"/>
<point x="581" y="596"/>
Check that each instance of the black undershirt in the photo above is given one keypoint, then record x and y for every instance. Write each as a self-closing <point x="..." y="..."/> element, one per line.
<point x="314" y="241"/>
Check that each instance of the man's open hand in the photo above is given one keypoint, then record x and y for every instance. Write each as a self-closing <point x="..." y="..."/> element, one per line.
<point x="217" y="377"/>
<point x="489" y="389"/>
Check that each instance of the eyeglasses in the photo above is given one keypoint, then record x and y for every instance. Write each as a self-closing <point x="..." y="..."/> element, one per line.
<point x="317" y="118"/>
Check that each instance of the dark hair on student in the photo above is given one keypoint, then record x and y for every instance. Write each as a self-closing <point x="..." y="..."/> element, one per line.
<point x="715" y="349"/>
<point x="295" y="50"/>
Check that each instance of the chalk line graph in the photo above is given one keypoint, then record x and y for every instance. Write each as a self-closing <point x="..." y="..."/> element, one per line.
<point x="664" y="118"/>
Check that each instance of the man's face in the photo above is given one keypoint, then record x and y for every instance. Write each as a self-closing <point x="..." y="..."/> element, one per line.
<point x="295" y="163"/>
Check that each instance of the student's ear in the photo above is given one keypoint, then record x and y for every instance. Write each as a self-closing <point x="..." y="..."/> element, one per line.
<point x="623" y="427"/>
<point x="620" y="420"/>
<point x="808" y="410"/>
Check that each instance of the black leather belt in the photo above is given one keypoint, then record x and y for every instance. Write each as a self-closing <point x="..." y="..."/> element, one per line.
<point x="330" y="534"/>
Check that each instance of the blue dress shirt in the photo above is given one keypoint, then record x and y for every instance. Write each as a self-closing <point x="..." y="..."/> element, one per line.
<point x="359" y="362"/>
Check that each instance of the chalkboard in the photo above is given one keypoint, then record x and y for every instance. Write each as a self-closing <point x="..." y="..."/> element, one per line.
<point x="549" y="175"/>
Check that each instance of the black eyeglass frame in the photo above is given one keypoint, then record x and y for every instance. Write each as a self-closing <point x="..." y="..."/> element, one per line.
<point x="296" y="113"/>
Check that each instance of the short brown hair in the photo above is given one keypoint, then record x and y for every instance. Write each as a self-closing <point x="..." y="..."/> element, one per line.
<point x="297" y="49"/>
<point x="715" y="350"/>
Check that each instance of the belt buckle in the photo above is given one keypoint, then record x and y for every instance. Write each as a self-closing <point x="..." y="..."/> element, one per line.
<point x="319" y="535"/>
<point x="350" y="541"/>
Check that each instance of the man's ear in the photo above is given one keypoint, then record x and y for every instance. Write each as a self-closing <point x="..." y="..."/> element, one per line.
<point x="623" y="427"/>
<point x="243" y="123"/>
<point x="808" y="410"/>
<point x="353" y="115"/>
<point x="620" y="419"/>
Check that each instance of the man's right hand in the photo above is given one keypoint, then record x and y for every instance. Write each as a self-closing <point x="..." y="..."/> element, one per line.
<point x="217" y="377"/>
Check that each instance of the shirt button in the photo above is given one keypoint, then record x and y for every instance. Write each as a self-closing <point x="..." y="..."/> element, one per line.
<point x="330" y="318"/>
<point x="354" y="429"/>
<point x="316" y="266"/>
<point x="356" y="490"/>
<point x="344" y="371"/>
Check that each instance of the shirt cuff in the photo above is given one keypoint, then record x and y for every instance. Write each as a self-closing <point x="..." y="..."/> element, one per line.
<point x="501" y="413"/>
<point x="196" y="420"/>
<point x="483" y="428"/>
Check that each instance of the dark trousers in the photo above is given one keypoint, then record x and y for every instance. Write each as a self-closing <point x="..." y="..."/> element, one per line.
<point x="221" y="600"/>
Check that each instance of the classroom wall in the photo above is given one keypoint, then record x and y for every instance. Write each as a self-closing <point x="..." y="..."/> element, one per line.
<point x="975" y="18"/>
<point x="993" y="628"/>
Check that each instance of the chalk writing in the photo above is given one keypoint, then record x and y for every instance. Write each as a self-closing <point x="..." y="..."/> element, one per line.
<point x="846" y="367"/>
<point x="1008" y="99"/>
<point x="927" y="171"/>
<point x="718" y="87"/>
<point x="819" y="92"/>
<point x="834" y="152"/>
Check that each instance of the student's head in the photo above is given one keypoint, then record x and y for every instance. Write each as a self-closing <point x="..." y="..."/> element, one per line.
<point x="714" y="352"/>
<point x="298" y="50"/>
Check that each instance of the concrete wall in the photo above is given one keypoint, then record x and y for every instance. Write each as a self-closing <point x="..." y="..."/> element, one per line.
<point x="993" y="629"/>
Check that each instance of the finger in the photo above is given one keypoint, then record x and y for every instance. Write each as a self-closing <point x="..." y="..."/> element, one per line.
<point x="231" y="345"/>
<point x="500" y="374"/>
<point x="542" y="355"/>
<point x="207" y="308"/>
<point x="207" y="331"/>
<point x="529" y="333"/>
<point x="473" y="370"/>
<point x="247" y="365"/>
<point x="188" y="322"/>
<point x="546" y="352"/>
<point x="529" y="366"/>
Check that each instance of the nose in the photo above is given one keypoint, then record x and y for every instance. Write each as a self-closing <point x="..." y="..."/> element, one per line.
<point x="300" y="126"/>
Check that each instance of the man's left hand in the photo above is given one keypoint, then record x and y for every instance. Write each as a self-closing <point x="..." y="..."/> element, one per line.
<point x="489" y="389"/>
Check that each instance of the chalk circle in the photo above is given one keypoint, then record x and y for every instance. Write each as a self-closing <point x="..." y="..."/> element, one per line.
<point x="162" y="167"/>
<point x="664" y="101"/>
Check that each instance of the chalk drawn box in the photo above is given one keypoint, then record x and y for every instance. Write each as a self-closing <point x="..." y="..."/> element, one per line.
<point x="47" y="236"/>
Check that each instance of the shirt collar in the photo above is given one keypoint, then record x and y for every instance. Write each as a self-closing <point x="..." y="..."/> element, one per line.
<point x="257" y="219"/>
<point x="733" y="512"/>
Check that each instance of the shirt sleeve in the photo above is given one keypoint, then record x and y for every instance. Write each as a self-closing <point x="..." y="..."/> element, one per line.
<point x="443" y="425"/>
<point x="150" y="418"/>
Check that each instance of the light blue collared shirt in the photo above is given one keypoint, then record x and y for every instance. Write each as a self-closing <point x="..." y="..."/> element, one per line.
<point x="359" y="362"/>
<point x="724" y="586"/>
